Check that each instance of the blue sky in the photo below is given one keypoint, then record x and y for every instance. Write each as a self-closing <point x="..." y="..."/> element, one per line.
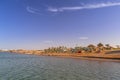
<point x="39" y="24"/>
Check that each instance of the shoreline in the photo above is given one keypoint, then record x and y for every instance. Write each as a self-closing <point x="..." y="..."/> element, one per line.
<point x="94" y="57"/>
<point x="88" y="56"/>
<point x="90" y="59"/>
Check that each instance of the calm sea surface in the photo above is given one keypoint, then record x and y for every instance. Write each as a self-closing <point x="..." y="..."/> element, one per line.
<point x="31" y="67"/>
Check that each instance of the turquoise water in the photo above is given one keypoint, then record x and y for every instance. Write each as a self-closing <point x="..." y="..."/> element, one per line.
<point x="31" y="67"/>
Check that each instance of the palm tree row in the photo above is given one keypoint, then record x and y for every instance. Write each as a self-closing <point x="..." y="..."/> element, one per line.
<point x="89" y="49"/>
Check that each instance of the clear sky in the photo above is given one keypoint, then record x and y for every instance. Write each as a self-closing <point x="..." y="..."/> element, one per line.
<point x="38" y="24"/>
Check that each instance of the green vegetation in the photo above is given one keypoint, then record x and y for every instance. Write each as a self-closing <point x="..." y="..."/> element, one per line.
<point x="78" y="49"/>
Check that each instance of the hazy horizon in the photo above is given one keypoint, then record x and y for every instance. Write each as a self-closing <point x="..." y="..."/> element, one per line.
<point x="39" y="24"/>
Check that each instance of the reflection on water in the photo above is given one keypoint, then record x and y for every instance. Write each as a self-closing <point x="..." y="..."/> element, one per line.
<point x="30" y="67"/>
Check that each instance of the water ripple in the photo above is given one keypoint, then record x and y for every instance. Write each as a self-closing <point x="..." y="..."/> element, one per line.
<point x="29" y="67"/>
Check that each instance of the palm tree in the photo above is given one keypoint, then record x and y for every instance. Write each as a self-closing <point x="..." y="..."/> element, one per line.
<point x="78" y="49"/>
<point x="92" y="48"/>
<point x="100" y="47"/>
<point x="108" y="47"/>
